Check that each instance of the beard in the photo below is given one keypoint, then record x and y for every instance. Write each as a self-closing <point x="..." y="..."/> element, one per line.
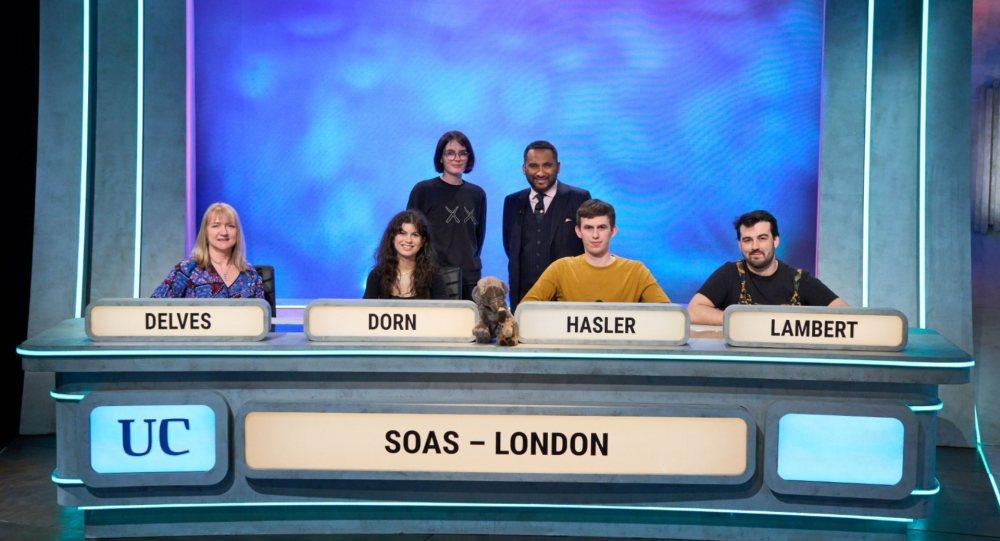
<point x="760" y="264"/>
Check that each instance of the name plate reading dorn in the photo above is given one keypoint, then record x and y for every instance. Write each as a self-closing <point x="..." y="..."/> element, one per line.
<point x="619" y="323"/>
<point x="815" y="327"/>
<point x="176" y="320"/>
<point x="333" y="320"/>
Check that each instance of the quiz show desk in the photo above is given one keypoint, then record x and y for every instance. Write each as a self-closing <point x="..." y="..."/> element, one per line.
<point x="294" y="433"/>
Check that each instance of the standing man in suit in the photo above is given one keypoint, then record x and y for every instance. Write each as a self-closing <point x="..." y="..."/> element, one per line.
<point x="539" y="223"/>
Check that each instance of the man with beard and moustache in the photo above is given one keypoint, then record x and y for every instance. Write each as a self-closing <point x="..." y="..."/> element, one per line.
<point x="539" y="223"/>
<point x="759" y="278"/>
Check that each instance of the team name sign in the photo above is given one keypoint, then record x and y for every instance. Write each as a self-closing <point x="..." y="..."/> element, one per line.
<point x="815" y="327"/>
<point x="498" y="443"/>
<point x="390" y="320"/>
<point x="111" y="320"/>
<point x="603" y="323"/>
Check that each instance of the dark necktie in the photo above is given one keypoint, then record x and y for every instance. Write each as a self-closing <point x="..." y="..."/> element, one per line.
<point x="539" y="205"/>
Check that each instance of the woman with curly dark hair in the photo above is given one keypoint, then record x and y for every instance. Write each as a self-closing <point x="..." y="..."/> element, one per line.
<point x="405" y="262"/>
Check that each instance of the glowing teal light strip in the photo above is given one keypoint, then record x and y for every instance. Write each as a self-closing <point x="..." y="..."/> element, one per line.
<point x="933" y="407"/>
<point x="491" y="506"/>
<point x="922" y="178"/>
<point x="140" y="90"/>
<point x="928" y="491"/>
<point x="65" y="396"/>
<point x="866" y="204"/>
<point x="491" y="354"/>
<point x="64" y="481"/>
<point x="986" y="465"/>
<point x="84" y="161"/>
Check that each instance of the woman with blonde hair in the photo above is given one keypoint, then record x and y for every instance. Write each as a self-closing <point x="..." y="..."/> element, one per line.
<point x="218" y="268"/>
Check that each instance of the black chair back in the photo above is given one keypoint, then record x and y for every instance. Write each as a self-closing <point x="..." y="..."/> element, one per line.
<point x="452" y="282"/>
<point x="266" y="273"/>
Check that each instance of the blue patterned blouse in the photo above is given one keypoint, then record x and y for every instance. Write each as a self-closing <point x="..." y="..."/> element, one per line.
<point x="186" y="280"/>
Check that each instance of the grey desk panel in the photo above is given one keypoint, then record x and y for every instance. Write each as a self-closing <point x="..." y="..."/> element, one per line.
<point x="928" y="358"/>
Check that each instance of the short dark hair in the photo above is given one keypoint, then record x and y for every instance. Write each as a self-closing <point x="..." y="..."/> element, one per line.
<point x="447" y="138"/>
<point x="593" y="208"/>
<point x="541" y="145"/>
<point x="751" y="219"/>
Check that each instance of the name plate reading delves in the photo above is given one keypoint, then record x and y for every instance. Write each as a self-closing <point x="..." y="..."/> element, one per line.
<point x="333" y="320"/>
<point x="174" y="320"/>
<point x="690" y="447"/>
<point x="815" y="327"/>
<point x="616" y="323"/>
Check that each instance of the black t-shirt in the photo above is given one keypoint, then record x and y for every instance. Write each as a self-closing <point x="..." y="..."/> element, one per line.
<point x="457" y="216"/>
<point x="373" y="288"/>
<point x="723" y="287"/>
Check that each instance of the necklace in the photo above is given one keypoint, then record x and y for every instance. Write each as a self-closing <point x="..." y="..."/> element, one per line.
<point x="225" y="274"/>
<point x="401" y="274"/>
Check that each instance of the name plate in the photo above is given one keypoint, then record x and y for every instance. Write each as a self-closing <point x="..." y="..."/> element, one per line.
<point x="815" y="327"/>
<point x="176" y="320"/>
<point x="618" y="323"/>
<point x="333" y="320"/>
<point x="618" y="446"/>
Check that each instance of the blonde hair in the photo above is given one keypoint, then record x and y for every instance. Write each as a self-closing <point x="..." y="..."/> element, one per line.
<point x="200" y="252"/>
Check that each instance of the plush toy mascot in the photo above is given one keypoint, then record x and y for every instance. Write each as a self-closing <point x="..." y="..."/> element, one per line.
<point x="495" y="318"/>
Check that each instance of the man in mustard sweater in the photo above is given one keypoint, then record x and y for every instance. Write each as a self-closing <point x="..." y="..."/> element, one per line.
<point x="597" y="275"/>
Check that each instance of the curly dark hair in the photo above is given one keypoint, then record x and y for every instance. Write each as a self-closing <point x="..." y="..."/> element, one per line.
<point x="387" y="261"/>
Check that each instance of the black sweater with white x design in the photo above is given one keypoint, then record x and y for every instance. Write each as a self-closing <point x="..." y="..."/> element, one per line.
<point x="457" y="215"/>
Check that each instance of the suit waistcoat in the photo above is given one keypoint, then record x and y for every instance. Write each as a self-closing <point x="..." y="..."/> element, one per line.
<point x="534" y="256"/>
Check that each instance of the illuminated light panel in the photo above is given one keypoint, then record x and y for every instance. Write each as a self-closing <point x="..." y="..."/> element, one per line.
<point x="922" y="175"/>
<point x="64" y="481"/>
<point x="840" y="449"/>
<point x="65" y="396"/>
<point x="487" y="353"/>
<point x="84" y="161"/>
<point x="492" y="506"/>
<point x="866" y="205"/>
<point x="176" y="438"/>
<point x="140" y="84"/>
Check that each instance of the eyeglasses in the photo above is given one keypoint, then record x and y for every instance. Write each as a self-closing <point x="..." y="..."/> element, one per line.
<point x="452" y="155"/>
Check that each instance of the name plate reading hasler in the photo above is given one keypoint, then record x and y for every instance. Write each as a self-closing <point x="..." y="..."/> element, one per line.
<point x="174" y="320"/>
<point x="624" y="446"/>
<point x="815" y="327"/>
<point x="333" y="320"/>
<point x="616" y="323"/>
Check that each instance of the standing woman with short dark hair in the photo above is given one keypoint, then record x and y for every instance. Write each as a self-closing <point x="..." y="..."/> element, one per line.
<point x="405" y="264"/>
<point x="455" y="208"/>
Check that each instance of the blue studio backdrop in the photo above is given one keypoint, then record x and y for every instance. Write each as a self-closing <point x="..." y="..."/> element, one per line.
<point x="314" y="119"/>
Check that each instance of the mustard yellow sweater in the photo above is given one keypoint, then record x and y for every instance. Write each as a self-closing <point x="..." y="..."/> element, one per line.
<point x="573" y="279"/>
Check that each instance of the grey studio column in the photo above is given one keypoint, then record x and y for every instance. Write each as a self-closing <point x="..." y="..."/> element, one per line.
<point x="894" y="265"/>
<point x="57" y="192"/>
<point x="164" y="143"/>
<point x="110" y="166"/>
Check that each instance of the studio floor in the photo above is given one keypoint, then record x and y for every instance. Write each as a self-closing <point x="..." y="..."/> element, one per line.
<point x="965" y="509"/>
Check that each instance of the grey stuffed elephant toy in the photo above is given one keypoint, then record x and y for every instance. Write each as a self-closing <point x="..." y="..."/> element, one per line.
<point x="495" y="317"/>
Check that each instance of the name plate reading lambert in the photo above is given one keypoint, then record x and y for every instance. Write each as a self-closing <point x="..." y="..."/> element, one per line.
<point x="333" y="320"/>
<point x="815" y="327"/>
<point x="503" y="444"/>
<point x="174" y="320"/>
<point x="603" y="323"/>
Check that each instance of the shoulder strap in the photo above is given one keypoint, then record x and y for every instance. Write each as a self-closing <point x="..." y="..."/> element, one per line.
<point x="744" y="296"/>
<point x="796" y="301"/>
